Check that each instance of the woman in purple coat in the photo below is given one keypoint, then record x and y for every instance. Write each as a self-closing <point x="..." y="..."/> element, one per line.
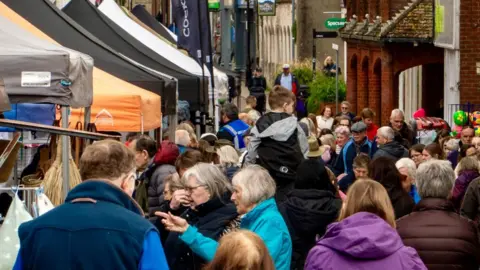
<point x="365" y="236"/>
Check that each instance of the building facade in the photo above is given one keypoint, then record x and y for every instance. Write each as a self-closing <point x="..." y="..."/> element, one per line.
<point x="274" y="35"/>
<point x="385" y="38"/>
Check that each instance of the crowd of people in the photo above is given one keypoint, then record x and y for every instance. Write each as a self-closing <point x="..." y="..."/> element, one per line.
<point x="269" y="192"/>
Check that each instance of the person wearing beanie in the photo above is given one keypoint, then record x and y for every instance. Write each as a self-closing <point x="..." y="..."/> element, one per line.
<point x="310" y="207"/>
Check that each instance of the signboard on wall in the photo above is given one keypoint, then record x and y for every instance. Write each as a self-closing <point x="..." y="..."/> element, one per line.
<point x="447" y="23"/>
<point x="213" y="5"/>
<point x="335" y="23"/>
<point x="266" y="7"/>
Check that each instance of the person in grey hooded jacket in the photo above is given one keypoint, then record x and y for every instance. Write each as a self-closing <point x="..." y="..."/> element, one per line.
<point x="387" y="146"/>
<point x="277" y="142"/>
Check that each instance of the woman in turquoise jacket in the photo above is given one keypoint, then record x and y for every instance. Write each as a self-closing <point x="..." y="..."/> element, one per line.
<point x="253" y="194"/>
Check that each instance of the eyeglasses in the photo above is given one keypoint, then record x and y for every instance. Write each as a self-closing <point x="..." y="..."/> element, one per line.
<point x="344" y="108"/>
<point x="191" y="189"/>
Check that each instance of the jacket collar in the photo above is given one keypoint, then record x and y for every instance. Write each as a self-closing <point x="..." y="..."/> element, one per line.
<point x="213" y="204"/>
<point x="98" y="190"/>
<point x="434" y="204"/>
<point x="258" y="210"/>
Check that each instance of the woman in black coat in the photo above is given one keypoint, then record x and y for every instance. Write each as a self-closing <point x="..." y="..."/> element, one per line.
<point x="211" y="212"/>
<point x="310" y="207"/>
<point x="384" y="171"/>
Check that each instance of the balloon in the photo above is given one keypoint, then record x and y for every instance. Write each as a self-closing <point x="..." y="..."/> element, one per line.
<point x="475" y="118"/>
<point x="460" y="118"/>
<point x="453" y="134"/>
<point x="477" y="131"/>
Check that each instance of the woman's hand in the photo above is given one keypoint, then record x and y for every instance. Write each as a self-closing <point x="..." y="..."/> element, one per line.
<point x="173" y="223"/>
<point x="179" y="198"/>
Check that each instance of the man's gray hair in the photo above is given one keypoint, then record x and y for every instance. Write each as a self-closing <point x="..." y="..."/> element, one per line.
<point x="256" y="184"/>
<point x="182" y="137"/>
<point x="435" y="179"/>
<point x="409" y="165"/>
<point x="211" y="177"/>
<point x="396" y="112"/>
<point x="387" y="133"/>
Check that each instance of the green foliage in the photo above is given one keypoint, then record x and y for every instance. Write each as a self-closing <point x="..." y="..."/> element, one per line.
<point x="322" y="90"/>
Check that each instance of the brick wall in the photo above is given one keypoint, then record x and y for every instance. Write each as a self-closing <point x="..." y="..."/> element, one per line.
<point x="352" y="79"/>
<point x="469" y="51"/>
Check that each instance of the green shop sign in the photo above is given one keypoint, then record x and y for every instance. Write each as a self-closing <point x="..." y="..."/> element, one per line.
<point x="335" y="23"/>
<point x="213" y="5"/>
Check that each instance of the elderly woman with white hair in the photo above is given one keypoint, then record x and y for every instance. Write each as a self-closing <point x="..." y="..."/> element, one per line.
<point x="343" y="135"/>
<point x="442" y="238"/>
<point x="253" y="195"/>
<point x="408" y="169"/>
<point x="211" y="212"/>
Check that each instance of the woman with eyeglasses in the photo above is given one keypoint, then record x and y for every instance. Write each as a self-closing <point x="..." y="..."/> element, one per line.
<point x="254" y="197"/>
<point x="211" y="212"/>
<point x="416" y="153"/>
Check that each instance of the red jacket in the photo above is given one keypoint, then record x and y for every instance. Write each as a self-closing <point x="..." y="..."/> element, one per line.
<point x="372" y="132"/>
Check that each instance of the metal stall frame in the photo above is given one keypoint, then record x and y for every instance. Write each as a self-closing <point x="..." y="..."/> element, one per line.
<point x="59" y="131"/>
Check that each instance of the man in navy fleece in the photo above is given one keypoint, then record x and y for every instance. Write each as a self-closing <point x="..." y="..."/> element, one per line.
<point x="99" y="226"/>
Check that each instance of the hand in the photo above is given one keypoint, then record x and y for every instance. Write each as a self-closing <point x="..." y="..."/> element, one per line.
<point x="179" y="198"/>
<point x="341" y="176"/>
<point x="173" y="223"/>
<point x="333" y="71"/>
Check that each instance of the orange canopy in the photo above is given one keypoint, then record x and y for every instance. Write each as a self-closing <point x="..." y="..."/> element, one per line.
<point x="117" y="105"/>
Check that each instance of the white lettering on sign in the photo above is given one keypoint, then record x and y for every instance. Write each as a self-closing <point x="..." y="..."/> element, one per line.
<point x="186" y="22"/>
<point x="331" y="24"/>
<point x="36" y="79"/>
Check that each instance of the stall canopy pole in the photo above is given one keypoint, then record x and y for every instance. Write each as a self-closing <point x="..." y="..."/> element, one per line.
<point x="65" y="154"/>
<point x="87" y="116"/>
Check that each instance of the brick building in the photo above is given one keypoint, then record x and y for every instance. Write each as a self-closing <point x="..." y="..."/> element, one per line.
<point x="385" y="38"/>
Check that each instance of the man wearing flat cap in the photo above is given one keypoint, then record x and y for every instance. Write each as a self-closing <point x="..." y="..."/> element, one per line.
<point x="359" y="143"/>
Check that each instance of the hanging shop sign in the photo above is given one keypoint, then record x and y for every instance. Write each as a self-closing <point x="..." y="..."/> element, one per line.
<point x="266" y="7"/>
<point x="243" y="3"/>
<point x="213" y="5"/>
<point x="335" y="23"/>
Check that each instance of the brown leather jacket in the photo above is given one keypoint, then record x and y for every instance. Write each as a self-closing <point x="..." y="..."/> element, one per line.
<point x="443" y="239"/>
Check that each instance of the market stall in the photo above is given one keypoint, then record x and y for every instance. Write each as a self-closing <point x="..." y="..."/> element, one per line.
<point x="94" y="21"/>
<point x="102" y="82"/>
<point x="58" y="26"/>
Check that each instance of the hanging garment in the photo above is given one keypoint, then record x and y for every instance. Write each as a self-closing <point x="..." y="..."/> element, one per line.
<point x="9" y="241"/>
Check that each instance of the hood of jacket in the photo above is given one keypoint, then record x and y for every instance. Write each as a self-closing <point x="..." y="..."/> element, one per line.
<point x="467" y="176"/>
<point x="362" y="236"/>
<point x="394" y="149"/>
<point x="311" y="210"/>
<point x="167" y="153"/>
<point x="278" y="126"/>
<point x="97" y="190"/>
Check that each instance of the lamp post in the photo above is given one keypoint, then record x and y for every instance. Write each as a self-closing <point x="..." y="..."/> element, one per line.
<point x="226" y="28"/>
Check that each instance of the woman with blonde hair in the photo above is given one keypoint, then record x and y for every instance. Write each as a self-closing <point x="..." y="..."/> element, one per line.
<point x="467" y="170"/>
<point x="228" y="160"/>
<point x="365" y="236"/>
<point x="241" y="250"/>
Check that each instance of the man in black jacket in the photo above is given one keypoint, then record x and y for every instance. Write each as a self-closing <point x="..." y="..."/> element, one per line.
<point x="387" y="146"/>
<point x="257" y="86"/>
